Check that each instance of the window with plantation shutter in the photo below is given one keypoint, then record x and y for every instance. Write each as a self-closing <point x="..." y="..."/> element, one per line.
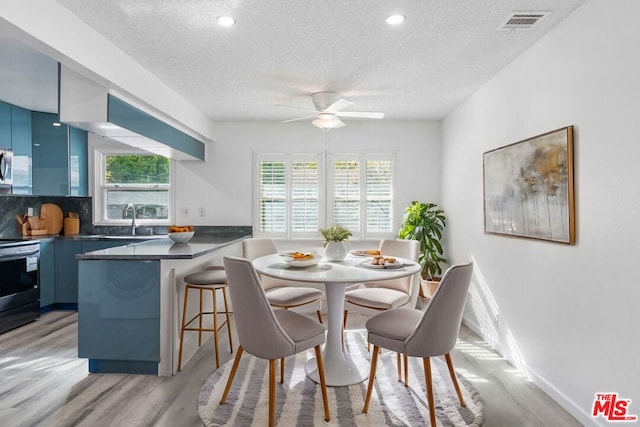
<point x="294" y="196"/>
<point x="288" y="195"/>
<point x="361" y="193"/>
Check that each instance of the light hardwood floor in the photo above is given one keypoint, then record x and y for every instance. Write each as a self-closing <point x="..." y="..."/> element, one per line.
<point x="43" y="383"/>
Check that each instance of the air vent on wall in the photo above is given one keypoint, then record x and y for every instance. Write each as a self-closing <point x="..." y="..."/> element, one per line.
<point x="522" y="21"/>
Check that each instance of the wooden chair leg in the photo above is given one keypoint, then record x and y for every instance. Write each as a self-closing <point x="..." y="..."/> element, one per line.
<point x="319" y="316"/>
<point x="226" y="309"/>
<point x="215" y="325"/>
<point x="429" y="386"/>
<point x="282" y="371"/>
<point x="344" y="325"/>
<point x="184" y="319"/>
<point x="399" y="363"/>
<point x="234" y="368"/>
<point x="406" y="370"/>
<point x="200" y="321"/>
<point x="372" y="377"/>
<point x="452" y="373"/>
<point x="272" y="392"/>
<point x="323" y="384"/>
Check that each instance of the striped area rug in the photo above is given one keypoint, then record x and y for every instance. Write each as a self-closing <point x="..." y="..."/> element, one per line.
<point x="299" y="402"/>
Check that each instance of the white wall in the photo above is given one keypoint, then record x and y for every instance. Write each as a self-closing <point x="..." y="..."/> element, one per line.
<point x="223" y="183"/>
<point x="568" y="314"/>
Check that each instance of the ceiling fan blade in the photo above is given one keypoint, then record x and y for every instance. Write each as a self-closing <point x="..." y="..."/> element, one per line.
<point x="297" y="108"/>
<point x="299" y="118"/>
<point x="338" y="105"/>
<point x="361" y="114"/>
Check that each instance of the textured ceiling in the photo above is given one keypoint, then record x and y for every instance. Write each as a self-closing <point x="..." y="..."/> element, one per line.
<point x="281" y="51"/>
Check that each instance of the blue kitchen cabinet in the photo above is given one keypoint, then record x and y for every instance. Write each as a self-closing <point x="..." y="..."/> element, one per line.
<point x="47" y="272"/>
<point x="66" y="270"/>
<point x="5" y="125"/>
<point x="22" y="152"/>
<point x="119" y="315"/>
<point x="78" y="162"/>
<point x="50" y="155"/>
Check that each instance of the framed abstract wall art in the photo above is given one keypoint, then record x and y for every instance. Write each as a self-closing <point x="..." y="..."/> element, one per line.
<point x="528" y="188"/>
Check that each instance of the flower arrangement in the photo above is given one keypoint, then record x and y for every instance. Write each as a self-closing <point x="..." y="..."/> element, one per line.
<point x="337" y="233"/>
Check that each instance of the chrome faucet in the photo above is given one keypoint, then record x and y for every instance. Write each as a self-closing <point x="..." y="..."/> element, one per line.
<point x="133" y="217"/>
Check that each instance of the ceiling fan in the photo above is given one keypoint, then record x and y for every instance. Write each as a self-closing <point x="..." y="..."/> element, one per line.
<point x="328" y="107"/>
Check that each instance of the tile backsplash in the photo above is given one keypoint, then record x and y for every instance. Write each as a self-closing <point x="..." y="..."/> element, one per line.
<point x="12" y="205"/>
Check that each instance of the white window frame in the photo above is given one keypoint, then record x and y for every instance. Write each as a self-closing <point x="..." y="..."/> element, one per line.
<point x="100" y="189"/>
<point x="288" y="159"/>
<point x="325" y="192"/>
<point x="362" y="159"/>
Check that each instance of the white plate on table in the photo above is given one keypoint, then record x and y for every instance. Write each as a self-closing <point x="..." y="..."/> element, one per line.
<point x="293" y="262"/>
<point x="361" y="253"/>
<point x="367" y="264"/>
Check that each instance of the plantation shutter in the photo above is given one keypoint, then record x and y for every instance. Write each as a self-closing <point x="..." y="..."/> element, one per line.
<point x="346" y="194"/>
<point x="379" y="186"/>
<point x="272" y="196"/>
<point x="304" y="196"/>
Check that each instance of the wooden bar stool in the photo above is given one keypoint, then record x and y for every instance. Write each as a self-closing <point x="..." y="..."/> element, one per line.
<point x="212" y="279"/>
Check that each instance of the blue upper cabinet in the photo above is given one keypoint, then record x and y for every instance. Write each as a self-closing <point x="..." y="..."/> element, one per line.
<point x="50" y="155"/>
<point x="78" y="162"/>
<point x="22" y="153"/>
<point x="59" y="157"/>
<point x="5" y="125"/>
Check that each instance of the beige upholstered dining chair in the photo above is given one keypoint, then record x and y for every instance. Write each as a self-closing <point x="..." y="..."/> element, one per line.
<point x="424" y="334"/>
<point x="281" y="294"/>
<point x="267" y="333"/>
<point x="372" y="298"/>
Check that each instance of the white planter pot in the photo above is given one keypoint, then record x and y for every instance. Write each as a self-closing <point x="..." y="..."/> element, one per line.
<point x="335" y="251"/>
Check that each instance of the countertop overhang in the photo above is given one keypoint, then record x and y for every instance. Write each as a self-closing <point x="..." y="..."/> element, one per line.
<point x="162" y="248"/>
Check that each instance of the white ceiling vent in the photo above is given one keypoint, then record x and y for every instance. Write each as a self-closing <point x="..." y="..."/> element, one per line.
<point x="519" y="21"/>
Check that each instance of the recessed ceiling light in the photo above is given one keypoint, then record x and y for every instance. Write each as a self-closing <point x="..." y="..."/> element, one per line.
<point x="225" y="21"/>
<point x="395" y="19"/>
<point x="56" y="124"/>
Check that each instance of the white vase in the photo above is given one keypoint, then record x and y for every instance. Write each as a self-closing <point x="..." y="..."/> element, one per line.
<point x="335" y="251"/>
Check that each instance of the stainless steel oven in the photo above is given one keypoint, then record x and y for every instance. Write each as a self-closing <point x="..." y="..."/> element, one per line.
<point x="19" y="283"/>
<point x="6" y="174"/>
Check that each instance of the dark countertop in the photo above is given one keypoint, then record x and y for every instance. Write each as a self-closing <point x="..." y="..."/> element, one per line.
<point x="162" y="248"/>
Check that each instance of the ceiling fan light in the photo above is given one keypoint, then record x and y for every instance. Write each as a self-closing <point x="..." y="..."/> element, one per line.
<point x="225" y="21"/>
<point x="326" y="116"/>
<point x="327" y="124"/>
<point x="395" y="19"/>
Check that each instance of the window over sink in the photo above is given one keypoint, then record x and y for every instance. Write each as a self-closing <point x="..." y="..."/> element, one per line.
<point x="132" y="177"/>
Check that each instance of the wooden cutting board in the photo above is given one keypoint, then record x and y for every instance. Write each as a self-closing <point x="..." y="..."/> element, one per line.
<point x="51" y="214"/>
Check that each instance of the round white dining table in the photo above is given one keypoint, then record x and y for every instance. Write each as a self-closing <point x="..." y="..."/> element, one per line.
<point x="341" y="368"/>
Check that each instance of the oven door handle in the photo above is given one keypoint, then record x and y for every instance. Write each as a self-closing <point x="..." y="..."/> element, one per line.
<point x="14" y="257"/>
<point x="3" y="167"/>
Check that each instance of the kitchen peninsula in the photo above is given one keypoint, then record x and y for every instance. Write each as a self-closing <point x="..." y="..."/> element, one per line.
<point x="129" y="298"/>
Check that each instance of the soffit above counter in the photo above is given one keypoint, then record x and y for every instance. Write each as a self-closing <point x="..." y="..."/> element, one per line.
<point x="86" y="105"/>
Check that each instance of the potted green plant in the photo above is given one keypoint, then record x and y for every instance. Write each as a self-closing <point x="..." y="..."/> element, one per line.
<point x="425" y="223"/>
<point x="334" y="238"/>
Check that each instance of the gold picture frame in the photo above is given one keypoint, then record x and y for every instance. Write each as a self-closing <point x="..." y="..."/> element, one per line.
<point x="528" y="188"/>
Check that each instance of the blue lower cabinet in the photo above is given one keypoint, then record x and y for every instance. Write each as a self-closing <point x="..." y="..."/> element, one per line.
<point x="66" y="269"/>
<point x="47" y="273"/>
<point x="119" y="315"/>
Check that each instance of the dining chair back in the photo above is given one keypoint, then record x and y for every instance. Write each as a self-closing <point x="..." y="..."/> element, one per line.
<point x="281" y="293"/>
<point x="267" y="333"/>
<point x="431" y="333"/>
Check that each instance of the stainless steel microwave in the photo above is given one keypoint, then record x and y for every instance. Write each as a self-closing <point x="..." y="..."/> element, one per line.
<point x="6" y="175"/>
